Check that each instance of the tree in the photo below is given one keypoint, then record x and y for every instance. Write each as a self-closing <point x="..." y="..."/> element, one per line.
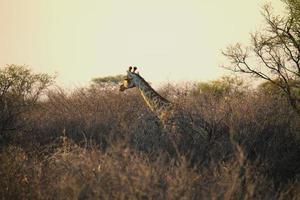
<point x="274" y="53"/>
<point x="107" y="82"/>
<point x="20" y="89"/>
<point x="108" y="79"/>
<point x="269" y="88"/>
<point x="223" y="87"/>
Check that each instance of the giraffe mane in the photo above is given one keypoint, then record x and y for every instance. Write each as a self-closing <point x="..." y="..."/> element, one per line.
<point x="164" y="99"/>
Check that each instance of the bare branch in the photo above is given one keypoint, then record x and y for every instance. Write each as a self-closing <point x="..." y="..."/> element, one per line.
<point x="277" y="53"/>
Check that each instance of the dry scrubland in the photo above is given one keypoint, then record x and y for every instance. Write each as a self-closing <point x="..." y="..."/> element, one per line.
<point x="97" y="143"/>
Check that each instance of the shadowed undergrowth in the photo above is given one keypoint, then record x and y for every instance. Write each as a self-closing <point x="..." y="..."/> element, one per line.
<point x="100" y="144"/>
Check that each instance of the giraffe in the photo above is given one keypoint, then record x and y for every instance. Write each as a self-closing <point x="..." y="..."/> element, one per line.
<point x="165" y="110"/>
<point x="159" y="105"/>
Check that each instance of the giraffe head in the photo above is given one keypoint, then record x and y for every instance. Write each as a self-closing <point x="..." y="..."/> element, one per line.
<point x="130" y="79"/>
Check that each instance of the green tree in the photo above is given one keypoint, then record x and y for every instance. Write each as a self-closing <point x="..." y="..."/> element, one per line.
<point x="225" y="86"/>
<point x="271" y="89"/>
<point x="20" y="89"/>
<point x="274" y="53"/>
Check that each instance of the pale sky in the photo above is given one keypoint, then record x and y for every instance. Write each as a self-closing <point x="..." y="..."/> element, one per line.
<point x="168" y="40"/>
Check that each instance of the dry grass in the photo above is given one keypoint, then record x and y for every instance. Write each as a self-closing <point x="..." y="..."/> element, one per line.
<point x="100" y="144"/>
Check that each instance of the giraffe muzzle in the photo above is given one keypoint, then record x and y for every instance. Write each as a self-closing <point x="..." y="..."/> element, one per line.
<point x="122" y="88"/>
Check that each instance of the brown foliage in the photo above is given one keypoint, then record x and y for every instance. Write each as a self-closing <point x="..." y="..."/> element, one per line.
<point x="100" y="144"/>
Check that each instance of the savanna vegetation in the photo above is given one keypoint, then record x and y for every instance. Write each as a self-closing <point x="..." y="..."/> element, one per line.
<point x="97" y="143"/>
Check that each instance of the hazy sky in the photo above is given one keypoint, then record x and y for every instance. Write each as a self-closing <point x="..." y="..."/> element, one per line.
<point x="168" y="40"/>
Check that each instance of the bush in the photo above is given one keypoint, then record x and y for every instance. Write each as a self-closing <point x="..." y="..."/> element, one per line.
<point x="20" y="89"/>
<point x="96" y="143"/>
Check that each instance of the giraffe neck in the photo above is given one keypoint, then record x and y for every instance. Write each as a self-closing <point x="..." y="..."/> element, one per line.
<point x="156" y="103"/>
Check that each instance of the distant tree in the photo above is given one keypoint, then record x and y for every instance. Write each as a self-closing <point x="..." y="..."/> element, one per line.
<point x="20" y="89"/>
<point x="108" y="79"/>
<point x="107" y="82"/>
<point x="274" y="53"/>
<point x="225" y="86"/>
<point x="270" y="88"/>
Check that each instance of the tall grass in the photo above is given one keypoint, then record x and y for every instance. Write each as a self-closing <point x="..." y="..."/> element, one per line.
<point x="99" y="144"/>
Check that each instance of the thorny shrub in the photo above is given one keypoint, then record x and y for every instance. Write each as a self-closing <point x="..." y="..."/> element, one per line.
<point x="96" y="143"/>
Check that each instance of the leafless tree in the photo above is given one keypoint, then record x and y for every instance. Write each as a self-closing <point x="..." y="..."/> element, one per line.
<point x="274" y="53"/>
